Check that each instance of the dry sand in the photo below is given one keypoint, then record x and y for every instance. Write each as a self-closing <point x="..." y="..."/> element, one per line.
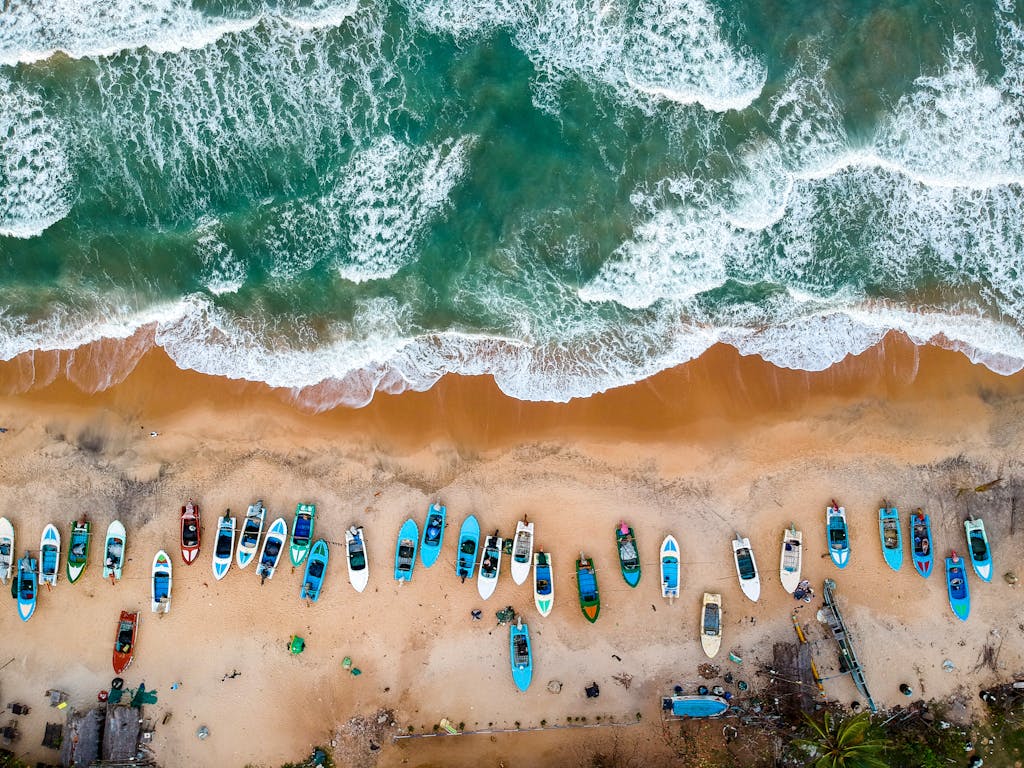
<point x="723" y="444"/>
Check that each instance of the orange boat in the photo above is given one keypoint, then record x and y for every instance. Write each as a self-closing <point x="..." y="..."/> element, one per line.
<point x="190" y="532"/>
<point x="124" y="642"/>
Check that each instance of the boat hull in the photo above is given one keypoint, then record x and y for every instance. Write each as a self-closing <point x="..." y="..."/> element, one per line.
<point x="7" y="559"/>
<point x="302" y="533"/>
<point x="711" y="624"/>
<point x="978" y="549"/>
<point x="791" y="560"/>
<point x="586" y="584"/>
<point x="522" y="552"/>
<point x="27" y="585"/>
<point x="358" y="564"/>
<point x="469" y="544"/>
<point x="629" y="558"/>
<point x="249" y="538"/>
<point x="543" y="583"/>
<point x="921" y="540"/>
<point x="160" y="583"/>
<point x="486" y="580"/>
<point x="273" y="546"/>
<point x="405" y="550"/>
<point x="697" y="706"/>
<point x="522" y="663"/>
<point x="838" y="533"/>
<point x="49" y="555"/>
<point x="316" y="570"/>
<point x="78" y="550"/>
<point x="669" y="567"/>
<point x="433" y="534"/>
<point x="114" y="550"/>
<point x="746" y="569"/>
<point x="124" y="641"/>
<point x="224" y="547"/>
<point x="957" y="588"/>
<point x="191" y="532"/>
<point x="891" y="535"/>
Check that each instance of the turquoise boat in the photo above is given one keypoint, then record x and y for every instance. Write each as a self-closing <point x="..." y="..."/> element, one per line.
<point x="302" y="533"/>
<point x="433" y="534"/>
<point x="27" y="584"/>
<point x="405" y="552"/>
<point x="521" y="655"/>
<point x="316" y="568"/>
<point x="629" y="557"/>
<point x="838" y="535"/>
<point x="956" y="586"/>
<point x="921" y="543"/>
<point x="469" y="542"/>
<point x="695" y="705"/>
<point x="891" y="534"/>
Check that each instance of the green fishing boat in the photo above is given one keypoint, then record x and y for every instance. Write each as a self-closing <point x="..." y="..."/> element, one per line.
<point x="629" y="556"/>
<point x="586" y="582"/>
<point x="302" y="533"/>
<point x="78" y="549"/>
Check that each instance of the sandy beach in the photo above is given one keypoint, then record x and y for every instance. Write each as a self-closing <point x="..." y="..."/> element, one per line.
<point x="723" y="444"/>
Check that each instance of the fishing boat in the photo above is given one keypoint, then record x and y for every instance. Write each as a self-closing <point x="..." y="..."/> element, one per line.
<point x="711" y="624"/>
<point x="190" y="532"/>
<point x="316" y="567"/>
<point x="956" y="586"/>
<point x="355" y="558"/>
<point x="629" y="557"/>
<point x="543" y="582"/>
<point x="6" y="549"/>
<point x="405" y="552"/>
<point x="302" y="533"/>
<point x="586" y="583"/>
<point x="433" y="534"/>
<point x="670" y="568"/>
<point x="49" y="555"/>
<point x="978" y="549"/>
<point x="746" y="568"/>
<point x="113" y="551"/>
<point x="891" y="534"/>
<point x="521" y="654"/>
<point x="921" y="545"/>
<point x="27" y="584"/>
<point x="224" y="546"/>
<point x="469" y="542"/>
<point x="792" y="558"/>
<point x="249" y="542"/>
<point x="78" y="549"/>
<point x="838" y="534"/>
<point x="490" y="566"/>
<point x="273" y="545"/>
<point x="522" y="552"/>
<point x="161" y="583"/>
<point x="695" y="705"/>
<point x="124" y="641"/>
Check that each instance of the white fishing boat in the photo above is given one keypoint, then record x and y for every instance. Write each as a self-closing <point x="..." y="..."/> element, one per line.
<point x="6" y="549"/>
<point x="224" y="546"/>
<point x="273" y="544"/>
<point x="113" y="551"/>
<point x="355" y="551"/>
<point x="522" y="552"/>
<point x="746" y="568"/>
<point x="711" y="624"/>
<point x="792" y="558"/>
<point x="490" y="566"/>
<point x="670" y="568"/>
<point x="249" y="543"/>
<point x="161" y="583"/>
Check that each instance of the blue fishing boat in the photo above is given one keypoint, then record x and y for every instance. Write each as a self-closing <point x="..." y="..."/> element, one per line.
<point x="316" y="567"/>
<point x="27" y="584"/>
<point x="521" y="655"/>
<point x="956" y="585"/>
<point x="433" y="534"/>
<point x="405" y="552"/>
<point x="469" y="542"/>
<point x="697" y="705"/>
<point x="838" y="535"/>
<point x="921" y="543"/>
<point x="891" y="534"/>
<point x="49" y="555"/>
<point x="670" y="567"/>
<point x="978" y="548"/>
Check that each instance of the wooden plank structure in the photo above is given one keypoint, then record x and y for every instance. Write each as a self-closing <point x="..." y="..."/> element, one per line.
<point x="82" y="738"/>
<point x="102" y="736"/>
<point x="792" y="682"/>
<point x="847" y="657"/>
<point x="121" y="734"/>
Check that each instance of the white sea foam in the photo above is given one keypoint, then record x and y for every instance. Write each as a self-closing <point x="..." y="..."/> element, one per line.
<point x="223" y="271"/>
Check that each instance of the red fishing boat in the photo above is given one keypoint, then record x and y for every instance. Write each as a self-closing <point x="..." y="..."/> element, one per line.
<point x="190" y="532"/>
<point x="124" y="642"/>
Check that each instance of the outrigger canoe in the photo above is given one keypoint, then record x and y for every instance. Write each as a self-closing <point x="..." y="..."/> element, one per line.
<point x="355" y="558"/>
<point x="113" y="551"/>
<point x="891" y="535"/>
<point x="161" y="583"/>
<point x="521" y="654"/>
<point x="190" y="532"/>
<point x="405" y="551"/>
<point x="490" y="566"/>
<point x="302" y="533"/>
<point x="791" y="559"/>
<point x="273" y="545"/>
<point x="746" y="568"/>
<point x="586" y="583"/>
<point x="838" y="534"/>
<point x="629" y="557"/>
<point x="316" y="568"/>
<point x="921" y="543"/>
<point x="956" y="586"/>
<point x="433" y="534"/>
<point x="249" y="542"/>
<point x="978" y="548"/>
<point x="224" y="546"/>
<point x="6" y="549"/>
<point x="711" y="624"/>
<point x="543" y="582"/>
<point x="522" y="552"/>
<point x="469" y="542"/>
<point x="78" y="549"/>
<point x="49" y="555"/>
<point x="670" y="568"/>
<point x="124" y="641"/>
<point x="27" y="584"/>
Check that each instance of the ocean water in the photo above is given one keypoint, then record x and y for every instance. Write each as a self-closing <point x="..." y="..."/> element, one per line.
<point x="567" y="195"/>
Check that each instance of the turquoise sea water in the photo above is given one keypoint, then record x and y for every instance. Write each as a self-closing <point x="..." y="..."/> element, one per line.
<point x="567" y="195"/>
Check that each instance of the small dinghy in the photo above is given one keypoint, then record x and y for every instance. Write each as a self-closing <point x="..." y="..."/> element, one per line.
<point x="113" y="551"/>
<point x="49" y="555"/>
<point x="316" y="568"/>
<point x="521" y="655"/>
<point x="746" y="568"/>
<point x="249" y="543"/>
<point x="161" y="583"/>
<point x="670" y="568"/>
<point x="433" y="534"/>
<point x="891" y="534"/>
<point x="522" y="552"/>
<point x="6" y="549"/>
<point x="124" y="641"/>
<point x="838" y="534"/>
<point x="302" y="533"/>
<point x="355" y="558"/>
<point x="711" y="624"/>
<point x="190" y="532"/>
<point x="586" y="583"/>
<point x="543" y="583"/>
<point x="921" y="544"/>
<point x="695" y="706"/>
<point x="273" y="545"/>
<point x="791" y="561"/>
<point x="469" y="542"/>
<point x="27" y="585"/>
<point x="490" y="566"/>
<point x="405" y="551"/>
<point x="978" y="549"/>
<point x="224" y="546"/>
<point x="629" y="557"/>
<point x="956" y="586"/>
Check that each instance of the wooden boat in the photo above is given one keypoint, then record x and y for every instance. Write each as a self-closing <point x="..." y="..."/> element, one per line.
<point x="249" y="543"/>
<point x="27" y="584"/>
<point x="586" y="583"/>
<point x="978" y="548"/>
<point x="49" y="555"/>
<point x="433" y="534"/>
<point x="629" y="557"/>
<point x="695" y="705"/>
<point x="543" y="582"/>
<point x="522" y="552"/>
<point x="78" y="549"/>
<point x="113" y="551"/>
<point x="355" y="558"/>
<point x="161" y="583"/>
<point x="746" y="568"/>
<point x="273" y="545"/>
<point x="670" y="568"/>
<point x="469" y="543"/>
<point x="6" y="549"/>
<point x="405" y="552"/>
<point x="124" y="641"/>
<point x="891" y="534"/>
<point x="302" y="533"/>
<point x="838" y="535"/>
<point x="521" y="654"/>
<point x="224" y="546"/>
<point x="711" y="624"/>
<point x="190" y="532"/>
<point x="490" y="566"/>
<point x="956" y="586"/>
<point x="316" y="568"/>
<point x="792" y="558"/>
<point x="921" y="543"/>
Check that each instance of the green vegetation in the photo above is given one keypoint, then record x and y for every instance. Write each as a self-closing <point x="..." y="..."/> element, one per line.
<point x="846" y="743"/>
